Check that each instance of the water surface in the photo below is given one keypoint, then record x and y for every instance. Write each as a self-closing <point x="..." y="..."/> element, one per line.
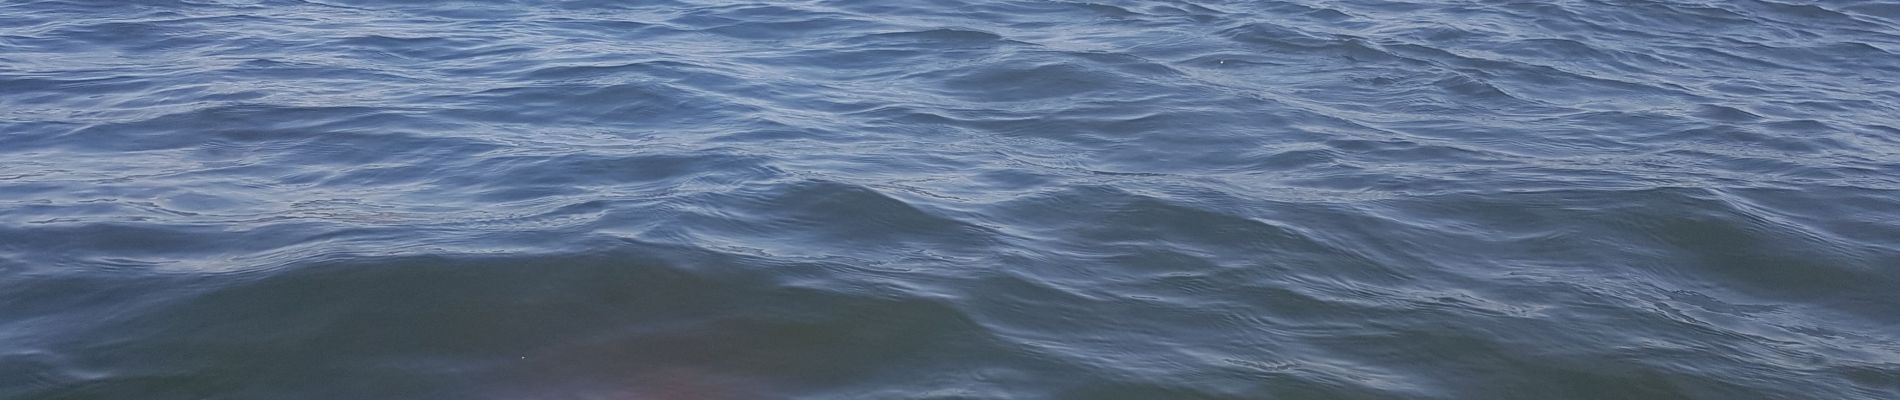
<point x="949" y="199"/>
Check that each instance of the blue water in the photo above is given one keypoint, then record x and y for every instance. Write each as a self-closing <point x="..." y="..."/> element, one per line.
<point x="949" y="199"/>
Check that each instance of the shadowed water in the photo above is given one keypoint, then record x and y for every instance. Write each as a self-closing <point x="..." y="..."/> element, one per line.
<point x="949" y="199"/>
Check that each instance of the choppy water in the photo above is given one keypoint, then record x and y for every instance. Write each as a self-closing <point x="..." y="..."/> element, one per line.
<point x="949" y="199"/>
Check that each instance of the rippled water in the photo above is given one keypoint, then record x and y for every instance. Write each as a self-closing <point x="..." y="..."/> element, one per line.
<point x="948" y="199"/>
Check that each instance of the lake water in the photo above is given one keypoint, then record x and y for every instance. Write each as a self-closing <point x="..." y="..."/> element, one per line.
<point x="949" y="199"/>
